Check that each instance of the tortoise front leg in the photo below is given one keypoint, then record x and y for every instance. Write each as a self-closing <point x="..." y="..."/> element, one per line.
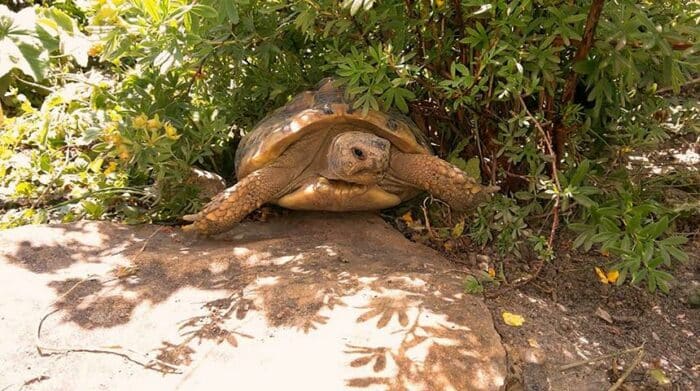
<point x="235" y="203"/>
<point x="439" y="178"/>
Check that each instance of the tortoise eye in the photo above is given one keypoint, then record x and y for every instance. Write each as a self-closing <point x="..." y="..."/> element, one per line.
<point x="358" y="153"/>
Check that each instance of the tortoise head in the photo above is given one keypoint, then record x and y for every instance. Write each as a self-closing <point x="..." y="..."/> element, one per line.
<point x="358" y="157"/>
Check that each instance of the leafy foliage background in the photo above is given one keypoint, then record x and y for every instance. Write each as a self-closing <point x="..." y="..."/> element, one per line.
<point x="107" y="103"/>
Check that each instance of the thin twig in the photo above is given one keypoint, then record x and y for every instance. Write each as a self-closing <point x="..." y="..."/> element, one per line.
<point x="411" y="14"/>
<point x="145" y="243"/>
<point x="427" y="220"/>
<point x="627" y="372"/>
<point x="583" y="48"/>
<point x="35" y="85"/>
<point x="131" y="355"/>
<point x="555" y="175"/>
<point x="561" y="132"/>
<point x="679" y="368"/>
<point x="599" y="358"/>
<point x="359" y="29"/>
<point x="686" y="84"/>
<point x="457" y="5"/>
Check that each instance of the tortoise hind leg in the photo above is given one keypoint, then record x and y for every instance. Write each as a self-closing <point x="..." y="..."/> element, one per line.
<point x="235" y="203"/>
<point x="439" y="178"/>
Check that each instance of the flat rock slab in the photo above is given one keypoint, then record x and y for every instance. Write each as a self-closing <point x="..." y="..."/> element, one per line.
<point x="307" y="301"/>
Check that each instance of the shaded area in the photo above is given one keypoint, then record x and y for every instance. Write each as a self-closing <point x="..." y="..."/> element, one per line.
<point x="373" y="309"/>
<point x="570" y="316"/>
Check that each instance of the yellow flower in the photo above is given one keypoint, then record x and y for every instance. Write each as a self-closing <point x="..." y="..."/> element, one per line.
<point x="111" y="168"/>
<point x="110" y="127"/>
<point x="154" y="123"/>
<point x="27" y="107"/>
<point x="114" y="116"/>
<point x="114" y="138"/>
<point x="96" y="49"/>
<point x="170" y="131"/>
<point x="107" y="14"/>
<point x="111" y="134"/>
<point x="124" y="153"/>
<point x="140" y="122"/>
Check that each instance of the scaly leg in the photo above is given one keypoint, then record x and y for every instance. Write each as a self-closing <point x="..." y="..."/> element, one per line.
<point x="235" y="203"/>
<point x="439" y="178"/>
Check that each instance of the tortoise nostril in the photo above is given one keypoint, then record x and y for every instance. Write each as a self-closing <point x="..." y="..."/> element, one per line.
<point x="359" y="153"/>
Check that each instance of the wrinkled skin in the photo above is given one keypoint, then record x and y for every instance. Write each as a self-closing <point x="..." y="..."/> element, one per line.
<point x="358" y="157"/>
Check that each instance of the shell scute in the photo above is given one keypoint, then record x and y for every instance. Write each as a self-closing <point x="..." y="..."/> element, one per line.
<point x="311" y="111"/>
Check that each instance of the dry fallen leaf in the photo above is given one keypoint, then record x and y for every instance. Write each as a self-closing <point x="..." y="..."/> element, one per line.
<point x="659" y="375"/>
<point x="601" y="275"/>
<point x="407" y="218"/>
<point x="448" y="245"/>
<point x="533" y="343"/>
<point x="492" y="272"/>
<point x="122" y="272"/>
<point x="603" y="314"/>
<point x="607" y="278"/>
<point x="513" y="319"/>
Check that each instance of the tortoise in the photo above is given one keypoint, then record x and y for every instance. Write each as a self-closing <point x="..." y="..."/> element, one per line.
<point x="318" y="153"/>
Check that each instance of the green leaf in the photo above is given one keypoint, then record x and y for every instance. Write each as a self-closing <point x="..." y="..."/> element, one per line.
<point x="654" y="230"/>
<point x="677" y="253"/>
<point x="674" y="240"/>
<point x="472" y="285"/>
<point x="20" y="45"/>
<point x="151" y="8"/>
<point x="651" y="282"/>
<point x="205" y="11"/>
<point x="96" y="165"/>
<point x="608" y="225"/>
<point x="580" y="173"/>
<point x="231" y="11"/>
<point x="62" y="19"/>
<point x="458" y="230"/>
<point x="580" y="240"/>
<point x="584" y="200"/>
<point x="579" y="227"/>
<point x="654" y="263"/>
<point x="473" y="168"/>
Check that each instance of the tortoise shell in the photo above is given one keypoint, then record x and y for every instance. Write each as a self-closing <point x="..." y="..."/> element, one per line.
<point x="314" y="111"/>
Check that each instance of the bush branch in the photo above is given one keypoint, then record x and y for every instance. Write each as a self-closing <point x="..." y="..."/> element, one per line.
<point x="560" y="131"/>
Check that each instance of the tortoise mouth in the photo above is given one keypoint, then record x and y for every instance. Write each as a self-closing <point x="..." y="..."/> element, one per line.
<point x="340" y="184"/>
<point x="361" y="179"/>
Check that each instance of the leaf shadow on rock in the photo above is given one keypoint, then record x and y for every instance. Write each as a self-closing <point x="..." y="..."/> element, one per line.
<point x="306" y="272"/>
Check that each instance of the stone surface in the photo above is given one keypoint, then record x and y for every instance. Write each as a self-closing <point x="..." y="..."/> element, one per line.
<point x="304" y="301"/>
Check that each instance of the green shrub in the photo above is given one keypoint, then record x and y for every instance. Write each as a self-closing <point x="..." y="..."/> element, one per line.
<point x="143" y="89"/>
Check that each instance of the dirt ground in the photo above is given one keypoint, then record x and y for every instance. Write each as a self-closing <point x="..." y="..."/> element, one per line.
<point x="570" y="317"/>
<point x="307" y="301"/>
<point x="331" y="282"/>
